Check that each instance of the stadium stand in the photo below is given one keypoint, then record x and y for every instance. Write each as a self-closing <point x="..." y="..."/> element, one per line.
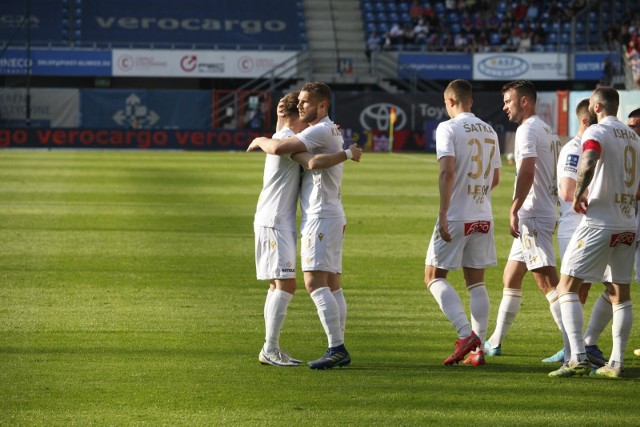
<point x="493" y="26"/>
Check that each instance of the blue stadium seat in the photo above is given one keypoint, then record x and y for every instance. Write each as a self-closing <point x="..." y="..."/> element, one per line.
<point x="552" y="38"/>
<point x="405" y="18"/>
<point x="403" y="7"/>
<point x="494" y="38"/>
<point x="393" y="17"/>
<point x="501" y="7"/>
<point x="439" y="7"/>
<point x="580" y="38"/>
<point x="606" y="17"/>
<point x="371" y="27"/>
<point x="382" y="17"/>
<point x="537" y="48"/>
<point x="593" y="17"/>
<point x="555" y="27"/>
<point x="550" y="48"/>
<point x="383" y="27"/>
<point x="452" y="18"/>
<point x="579" y="27"/>
<point x="455" y="28"/>
<point x="391" y="7"/>
<point x="369" y="17"/>
<point x="379" y="6"/>
<point x="566" y="27"/>
<point x="367" y="6"/>
<point x="565" y="38"/>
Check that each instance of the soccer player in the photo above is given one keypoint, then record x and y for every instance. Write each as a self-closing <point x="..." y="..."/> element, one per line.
<point x="567" y="172"/>
<point x="469" y="156"/>
<point x="633" y="121"/>
<point x="605" y="238"/>
<point x="275" y="227"/>
<point x="323" y="220"/>
<point x="532" y="217"/>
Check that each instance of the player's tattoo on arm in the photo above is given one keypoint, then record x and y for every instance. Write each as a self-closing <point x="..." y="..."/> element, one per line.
<point x="585" y="171"/>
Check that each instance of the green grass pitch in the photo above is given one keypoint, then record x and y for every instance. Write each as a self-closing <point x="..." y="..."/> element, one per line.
<point x="128" y="297"/>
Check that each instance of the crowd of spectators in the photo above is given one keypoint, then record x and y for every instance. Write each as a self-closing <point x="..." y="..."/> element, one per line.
<point x="487" y="26"/>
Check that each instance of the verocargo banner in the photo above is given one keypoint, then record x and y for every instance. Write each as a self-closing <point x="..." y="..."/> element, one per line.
<point x="127" y="139"/>
<point x="194" y="21"/>
<point x="513" y="66"/>
<point x="45" y="21"/>
<point x="55" y="108"/>
<point x="56" y="62"/>
<point x="190" y="63"/>
<point x="146" y="109"/>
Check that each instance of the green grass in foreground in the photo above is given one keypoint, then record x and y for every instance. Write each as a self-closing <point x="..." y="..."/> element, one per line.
<point x="128" y="296"/>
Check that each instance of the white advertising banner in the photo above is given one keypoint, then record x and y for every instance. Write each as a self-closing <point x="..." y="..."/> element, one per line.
<point x="194" y="63"/>
<point x="547" y="108"/>
<point x="56" y="108"/>
<point x="516" y="66"/>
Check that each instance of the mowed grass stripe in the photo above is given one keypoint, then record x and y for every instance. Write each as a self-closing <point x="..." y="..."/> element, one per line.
<point x="128" y="296"/>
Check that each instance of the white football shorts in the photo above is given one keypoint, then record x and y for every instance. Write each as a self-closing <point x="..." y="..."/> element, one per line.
<point x="472" y="246"/>
<point x="275" y="253"/>
<point x="534" y="247"/>
<point x="591" y="250"/>
<point x="321" y="244"/>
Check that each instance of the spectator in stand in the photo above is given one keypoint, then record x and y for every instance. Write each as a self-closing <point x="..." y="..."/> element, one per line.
<point x="427" y="11"/>
<point x="460" y="42"/>
<point x="421" y="32"/>
<point x="478" y="23"/>
<point x="532" y="11"/>
<point x="514" y="39"/>
<point x="633" y="55"/>
<point x="525" y="41"/>
<point x="467" y="22"/>
<point x="555" y="11"/>
<point x="520" y="11"/>
<point x="416" y="11"/>
<point x="450" y="5"/>
<point x="483" y="44"/>
<point x="396" y="35"/>
<point x="408" y="36"/>
<point x="493" y="22"/>
<point x="374" y="43"/>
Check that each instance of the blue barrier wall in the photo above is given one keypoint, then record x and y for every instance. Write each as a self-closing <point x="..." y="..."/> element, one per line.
<point x="45" y="20"/>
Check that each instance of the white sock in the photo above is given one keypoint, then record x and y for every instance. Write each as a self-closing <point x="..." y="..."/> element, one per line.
<point x="329" y="315"/>
<point x="450" y="304"/>
<point x="342" y="307"/>
<point x="620" y="331"/>
<point x="573" y="321"/>
<point x="276" y="313"/>
<point x="601" y="315"/>
<point x="508" y="310"/>
<point x="266" y="304"/>
<point x="479" y="309"/>
<point x="554" y="307"/>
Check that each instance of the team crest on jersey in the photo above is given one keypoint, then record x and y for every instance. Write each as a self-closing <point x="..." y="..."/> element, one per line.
<point x="477" y="227"/>
<point x="626" y="238"/>
<point x="580" y="244"/>
<point x="272" y="243"/>
<point x="320" y="236"/>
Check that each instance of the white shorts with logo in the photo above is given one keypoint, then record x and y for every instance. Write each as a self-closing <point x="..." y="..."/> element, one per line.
<point x="534" y="247"/>
<point x="275" y="253"/>
<point x="321" y="244"/>
<point x="472" y="246"/>
<point x="592" y="250"/>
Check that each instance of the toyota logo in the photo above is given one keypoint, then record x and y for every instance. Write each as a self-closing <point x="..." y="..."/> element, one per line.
<point x="377" y="117"/>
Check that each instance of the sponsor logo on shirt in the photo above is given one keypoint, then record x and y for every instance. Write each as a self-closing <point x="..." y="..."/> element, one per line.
<point x="626" y="238"/>
<point x="572" y="160"/>
<point x="477" y="227"/>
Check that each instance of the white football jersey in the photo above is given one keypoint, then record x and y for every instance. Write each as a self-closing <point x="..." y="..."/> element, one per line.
<point x="280" y="188"/>
<point x="568" y="168"/>
<point x="534" y="138"/>
<point x="612" y="191"/>
<point x="474" y="144"/>
<point x="321" y="189"/>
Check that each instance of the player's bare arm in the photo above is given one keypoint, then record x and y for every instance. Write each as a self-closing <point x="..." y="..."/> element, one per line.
<point x="586" y="169"/>
<point x="496" y="178"/>
<point x="524" y="181"/>
<point x="445" y="184"/>
<point x="324" y="161"/>
<point x="278" y="146"/>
